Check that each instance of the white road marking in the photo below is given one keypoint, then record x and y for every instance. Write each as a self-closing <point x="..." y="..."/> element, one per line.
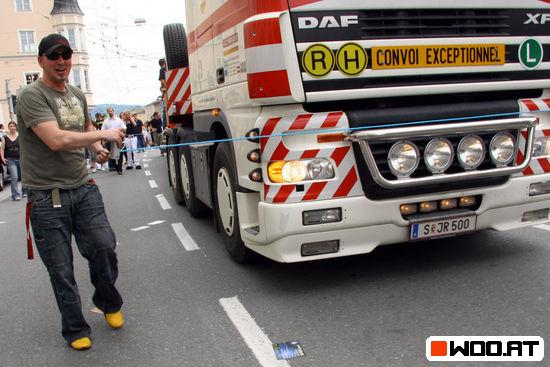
<point x="156" y="222"/>
<point x="147" y="173"/>
<point x="146" y="160"/>
<point x="146" y="165"/>
<point x="185" y="238"/>
<point x="153" y="184"/>
<point x="546" y="227"/>
<point x="254" y="337"/>
<point x="2" y="222"/>
<point x="139" y="228"/>
<point x="163" y="202"/>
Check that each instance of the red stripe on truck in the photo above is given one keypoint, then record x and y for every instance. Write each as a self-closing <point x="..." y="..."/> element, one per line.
<point x="298" y="3"/>
<point x="314" y="191"/>
<point x="268" y="6"/>
<point x="532" y="106"/>
<point x="231" y="13"/>
<point x="347" y="185"/>
<point x="268" y="84"/>
<point x="339" y="154"/>
<point x="262" y="32"/>
<point x="267" y="130"/>
<point x="308" y="154"/>
<point x="171" y="77"/>
<point x="180" y="84"/>
<point x="283" y="193"/>
<point x="300" y="122"/>
<point x="280" y="152"/>
<point x="332" y="120"/>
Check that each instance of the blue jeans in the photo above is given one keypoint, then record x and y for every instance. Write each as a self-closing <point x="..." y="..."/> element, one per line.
<point x="81" y="214"/>
<point x="14" y="174"/>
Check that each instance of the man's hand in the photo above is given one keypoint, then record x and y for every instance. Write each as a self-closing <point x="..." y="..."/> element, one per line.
<point x="114" y="135"/>
<point x="102" y="156"/>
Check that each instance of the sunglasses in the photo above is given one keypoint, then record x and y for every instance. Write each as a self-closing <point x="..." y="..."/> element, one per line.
<point x="66" y="55"/>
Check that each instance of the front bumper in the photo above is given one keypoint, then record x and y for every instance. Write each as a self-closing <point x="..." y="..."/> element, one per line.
<point x="367" y="224"/>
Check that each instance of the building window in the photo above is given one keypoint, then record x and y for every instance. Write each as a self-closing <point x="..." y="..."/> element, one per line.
<point x="82" y="40"/>
<point x="76" y="78"/>
<point x="23" y="5"/>
<point x="31" y="77"/>
<point x="71" y="35"/>
<point x="27" y="41"/>
<point x="87" y="80"/>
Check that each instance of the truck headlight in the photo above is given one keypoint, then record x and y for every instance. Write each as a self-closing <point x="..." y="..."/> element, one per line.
<point x="471" y="152"/>
<point x="541" y="146"/>
<point x="300" y="170"/>
<point x="438" y="155"/>
<point x="502" y="149"/>
<point x="403" y="158"/>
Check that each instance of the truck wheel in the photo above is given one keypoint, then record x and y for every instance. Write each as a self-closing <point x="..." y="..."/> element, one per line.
<point x="226" y="204"/>
<point x="173" y="162"/>
<point x="175" y="46"/>
<point x="196" y="207"/>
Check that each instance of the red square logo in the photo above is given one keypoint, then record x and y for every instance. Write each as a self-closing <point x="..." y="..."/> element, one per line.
<point x="439" y="349"/>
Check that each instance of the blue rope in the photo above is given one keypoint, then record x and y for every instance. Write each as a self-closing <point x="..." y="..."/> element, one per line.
<point x="335" y="130"/>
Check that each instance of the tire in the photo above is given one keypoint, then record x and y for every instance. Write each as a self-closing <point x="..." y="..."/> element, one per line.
<point x="175" y="46"/>
<point x="2" y="181"/>
<point x="173" y="168"/>
<point x="225" y="204"/>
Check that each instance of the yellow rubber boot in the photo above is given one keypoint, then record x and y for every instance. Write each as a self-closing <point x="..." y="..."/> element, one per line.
<point x="115" y="320"/>
<point x="81" y="344"/>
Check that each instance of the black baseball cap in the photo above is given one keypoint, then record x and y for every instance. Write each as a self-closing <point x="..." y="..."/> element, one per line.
<point x="51" y="43"/>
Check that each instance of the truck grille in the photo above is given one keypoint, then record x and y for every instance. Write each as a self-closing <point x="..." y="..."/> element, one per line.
<point x="382" y="24"/>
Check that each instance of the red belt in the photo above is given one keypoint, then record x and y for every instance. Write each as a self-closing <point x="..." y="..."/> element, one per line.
<point x="30" y="254"/>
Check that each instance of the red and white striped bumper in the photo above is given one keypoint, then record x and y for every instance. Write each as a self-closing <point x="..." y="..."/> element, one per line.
<point x="178" y="92"/>
<point x="273" y="148"/>
<point x="538" y="165"/>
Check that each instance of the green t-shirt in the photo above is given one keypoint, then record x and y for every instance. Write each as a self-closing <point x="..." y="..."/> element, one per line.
<point x="42" y="168"/>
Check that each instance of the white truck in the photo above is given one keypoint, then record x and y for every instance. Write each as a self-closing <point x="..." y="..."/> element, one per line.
<point x="325" y="128"/>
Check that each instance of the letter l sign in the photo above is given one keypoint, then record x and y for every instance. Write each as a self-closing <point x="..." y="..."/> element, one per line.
<point x="529" y="58"/>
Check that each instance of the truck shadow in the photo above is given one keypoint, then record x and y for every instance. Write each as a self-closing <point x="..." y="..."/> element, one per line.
<point x="484" y="250"/>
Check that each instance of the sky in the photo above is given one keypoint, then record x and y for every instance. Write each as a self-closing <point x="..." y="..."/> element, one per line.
<point x="123" y="56"/>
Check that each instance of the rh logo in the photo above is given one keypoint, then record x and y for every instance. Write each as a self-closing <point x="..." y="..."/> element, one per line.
<point x="485" y="348"/>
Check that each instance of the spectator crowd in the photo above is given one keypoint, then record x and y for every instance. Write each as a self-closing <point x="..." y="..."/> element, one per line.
<point x="139" y="135"/>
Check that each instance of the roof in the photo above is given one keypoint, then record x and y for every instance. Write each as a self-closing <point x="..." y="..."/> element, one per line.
<point x="66" y="7"/>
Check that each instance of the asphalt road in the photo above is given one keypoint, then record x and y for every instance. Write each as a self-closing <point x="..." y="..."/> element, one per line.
<point x="188" y="304"/>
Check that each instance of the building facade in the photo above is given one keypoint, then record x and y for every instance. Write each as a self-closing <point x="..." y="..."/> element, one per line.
<point x="23" y="23"/>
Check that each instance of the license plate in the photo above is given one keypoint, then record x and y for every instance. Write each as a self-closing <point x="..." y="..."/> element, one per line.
<point x="442" y="227"/>
<point x="403" y="57"/>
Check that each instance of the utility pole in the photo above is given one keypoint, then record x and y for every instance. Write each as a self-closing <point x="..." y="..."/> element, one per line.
<point x="10" y="103"/>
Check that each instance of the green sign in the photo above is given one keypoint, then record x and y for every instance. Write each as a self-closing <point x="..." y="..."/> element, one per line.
<point x="530" y="53"/>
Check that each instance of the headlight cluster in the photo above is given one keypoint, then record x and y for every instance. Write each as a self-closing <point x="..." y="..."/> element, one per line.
<point x="300" y="170"/>
<point x="404" y="156"/>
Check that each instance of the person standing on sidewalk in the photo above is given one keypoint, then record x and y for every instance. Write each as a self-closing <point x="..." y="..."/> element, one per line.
<point x="54" y="128"/>
<point x="9" y="155"/>
<point x="114" y="122"/>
